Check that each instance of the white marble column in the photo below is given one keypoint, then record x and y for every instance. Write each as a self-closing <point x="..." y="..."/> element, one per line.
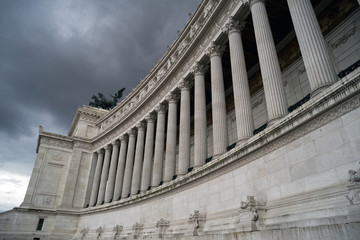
<point x="200" y="123"/>
<point x="159" y="146"/>
<point x="139" y="154"/>
<point x="121" y="167"/>
<point x="170" y="155"/>
<point x="317" y="60"/>
<point x="184" y="129"/>
<point x="269" y="64"/>
<point x="220" y="133"/>
<point x="243" y="109"/>
<point x="112" y="172"/>
<point x="95" y="186"/>
<point x="129" y="165"/>
<point x="148" y="154"/>
<point x="104" y="175"/>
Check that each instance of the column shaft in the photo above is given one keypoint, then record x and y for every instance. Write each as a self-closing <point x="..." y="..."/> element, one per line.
<point x="316" y="57"/>
<point x="112" y="172"/>
<point x="148" y="154"/>
<point x="120" y="168"/>
<point x="129" y="165"/>
<point x="135" y="185"/>
<point x="104" y="175"/>
<point x="170" y="156"/>
<point x="159" y="146"/>
<point x="95" y="186"/>
<point x="184" y="135"/>
<point x="200" y="124"/>
<point x="220" y="133"/>
<point x="269" y="64"/>
<point x="243" y="109"/>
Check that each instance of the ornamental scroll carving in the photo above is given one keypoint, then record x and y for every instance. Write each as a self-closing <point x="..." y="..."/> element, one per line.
<point x="198" y="220"/>
<point x="162" y="225"/>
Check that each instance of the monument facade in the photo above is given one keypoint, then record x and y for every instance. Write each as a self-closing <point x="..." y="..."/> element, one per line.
<point x="247" y="128"/>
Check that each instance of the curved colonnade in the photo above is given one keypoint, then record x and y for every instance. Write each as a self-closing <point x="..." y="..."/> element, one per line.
<point x="143" y="167"/>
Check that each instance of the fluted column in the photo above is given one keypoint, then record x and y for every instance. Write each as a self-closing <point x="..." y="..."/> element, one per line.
<point x="148" y="153"/>
<point x="200" y="124"/>
<point x="269" y="64"/>
<point x="220" y="133"/>
<point x="159" y="145"/>
<point x="139" y="153"/>
<point x="243" y="109"/>
<point x="184" y="135"/>
<point x="170" y="156"/>
<point x="319" y="68"/>
<point x="95" y="186"/>
<point x="112" y="172"/>
<point x="129" y="165"/>
<point x="121" y="167"/>
<point x="104" y="175"/>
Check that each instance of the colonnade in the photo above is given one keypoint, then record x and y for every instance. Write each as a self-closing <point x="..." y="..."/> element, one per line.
<point x="134" y="162"/>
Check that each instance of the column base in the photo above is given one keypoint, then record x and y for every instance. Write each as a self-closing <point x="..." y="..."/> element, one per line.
<point x="319" y="90"/>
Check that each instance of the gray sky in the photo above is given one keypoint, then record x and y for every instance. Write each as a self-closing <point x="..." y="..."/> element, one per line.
<point x="55" y="54"/>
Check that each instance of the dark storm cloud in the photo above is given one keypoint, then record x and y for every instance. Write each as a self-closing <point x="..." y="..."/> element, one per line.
<point x="55" y="54"/>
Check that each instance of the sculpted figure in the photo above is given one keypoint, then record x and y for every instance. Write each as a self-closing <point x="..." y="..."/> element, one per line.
<point x="100" y="101"/>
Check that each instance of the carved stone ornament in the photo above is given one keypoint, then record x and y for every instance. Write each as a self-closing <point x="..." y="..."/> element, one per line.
<point x="215" y="50"/>
<point x="124" y="138"/>
<point x="137" y="228"/>
<point x="100" y="151"/>
<point x="99" y="231"/>
<point x="132" y="132"/>
<point x="249" y="213"/>
<point x="115" y="143"/>
<point x="172" y="98"/>
<point x="84" y="232"/>
<point x="198" y="221"/>
<point x="199" y="68"/>
<point x="354" y="188"/>
<point x="141" y="126"/>
<point x="162" y="225"/>
<point x="150" y="117"/>
<point x="161" y="108"/>
<point x="117" y="231"/>
<point x="185" y="84"/>
<point x="108" y="147"/>
<point x="233" y="26"/>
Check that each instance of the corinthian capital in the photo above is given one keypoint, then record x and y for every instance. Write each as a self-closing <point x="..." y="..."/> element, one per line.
<point x="115" y="143"/>
<point x="215" y="50"/>
<point x="199" y="68"/>
<point x="124" y="138"/>
<point x="100" y="151"/>
<point x="132" y="132"/>
<point x="185" y="84"/>
<point x="141" y="126"/>
<point x="172" y="98"/>
<point x="233" y="25"/>
<point x="161" y="108"/>
<point x="150" y="117"/>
